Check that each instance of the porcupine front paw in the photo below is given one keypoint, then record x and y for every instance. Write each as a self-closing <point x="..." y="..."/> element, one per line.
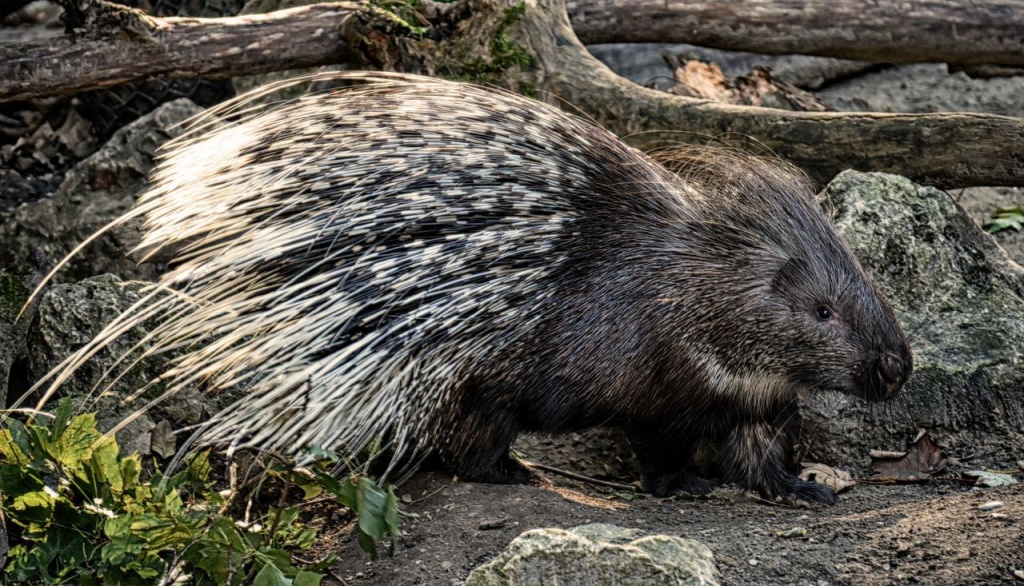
<point x="754" y="456"/>
<point x="790" y="487"/>
<point x="506" y="470"/>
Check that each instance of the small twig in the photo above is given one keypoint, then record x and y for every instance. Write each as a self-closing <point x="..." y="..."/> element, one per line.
<point x="886" y="481"/>
<point x="318" y="500"/>
<point x="580" y="477"/>
<point x="282" y="502"/>
<point x="426" y="496"/>
<point x="976" y="455"/>
<point x="334" y="575"/>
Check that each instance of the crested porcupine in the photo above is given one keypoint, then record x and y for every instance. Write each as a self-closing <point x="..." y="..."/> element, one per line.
<point x="445" y="266"/>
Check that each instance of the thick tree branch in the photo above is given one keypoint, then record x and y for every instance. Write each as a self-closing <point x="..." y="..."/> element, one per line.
<point x="883" y="31"/>
<point x="175" y="47"/>
<point x="945" y="150"/>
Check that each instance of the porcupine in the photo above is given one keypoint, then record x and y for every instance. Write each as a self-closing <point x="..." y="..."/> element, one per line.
<point x="446" y="266"/>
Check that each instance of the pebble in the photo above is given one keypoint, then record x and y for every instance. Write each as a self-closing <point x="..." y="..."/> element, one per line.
<point x="794" y="532"/>
<point x="990" y="505"/>
<point x="493" y="524"/>
<point x="1019" y="574"/>
<point x="752" y="561"/>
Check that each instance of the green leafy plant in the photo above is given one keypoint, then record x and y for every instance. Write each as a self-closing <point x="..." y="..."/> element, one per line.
<point x="77" y="512"/>
<point x="1010" y="218"/>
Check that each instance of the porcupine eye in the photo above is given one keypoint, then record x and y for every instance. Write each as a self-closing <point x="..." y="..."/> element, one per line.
<point x="824" y="313"/>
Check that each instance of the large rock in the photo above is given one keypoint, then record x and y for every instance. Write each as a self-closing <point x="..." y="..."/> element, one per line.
<point x="97" y="190"/>
<point x="598" y="554"/>
<point x="926" y="87"/>
<point x="960" y="299"/>
<point x="68" y="317"/>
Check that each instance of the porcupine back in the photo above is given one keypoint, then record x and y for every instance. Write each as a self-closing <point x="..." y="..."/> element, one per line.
<point x="348" y="256"/>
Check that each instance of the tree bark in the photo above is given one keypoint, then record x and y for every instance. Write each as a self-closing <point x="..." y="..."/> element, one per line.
<point x="882" y="31"/>
<point x="533" y="52"/>
<point x="174" y="47"/>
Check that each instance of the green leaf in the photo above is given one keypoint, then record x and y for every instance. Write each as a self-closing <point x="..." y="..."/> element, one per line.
<point x="304" y="578"/>
<point x="105" y="462"/>
<point x="344" y="492"/>
<point x="73" y="448"/>
<point x="371" y="505"/>
<point x="61" y="418"/>
<point x="271" y="576"/>
<point x="131" y="472"/>
<point x="367" y="544"/>
<point x="321" y="453"/>
<point x="1008" y="218"/>
<point x="14" y="443"/>
<point x="123" y="542"/>
<point x="37" y="498"/>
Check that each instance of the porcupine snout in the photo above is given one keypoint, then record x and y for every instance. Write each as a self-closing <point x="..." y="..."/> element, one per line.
<point x="894" y="371"/>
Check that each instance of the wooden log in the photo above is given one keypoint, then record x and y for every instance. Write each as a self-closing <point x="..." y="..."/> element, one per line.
<point x="882" y="31"/>
<point x="944" y="149"/>
<point x="137" y="47"/>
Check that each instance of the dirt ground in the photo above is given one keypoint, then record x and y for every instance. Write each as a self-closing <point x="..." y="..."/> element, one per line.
<point x="911" y="534"/>
<point x="930" y="533"/>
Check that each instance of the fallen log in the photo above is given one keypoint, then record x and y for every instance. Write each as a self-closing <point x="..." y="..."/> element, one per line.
<point x="882" y="31"/>
<point x="130" y="46"/>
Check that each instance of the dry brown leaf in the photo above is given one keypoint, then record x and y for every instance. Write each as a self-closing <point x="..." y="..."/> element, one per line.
<point x="922" y="459"/>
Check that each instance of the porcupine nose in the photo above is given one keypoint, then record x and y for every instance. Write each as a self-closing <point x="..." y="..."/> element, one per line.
<point x="894" y="371"/>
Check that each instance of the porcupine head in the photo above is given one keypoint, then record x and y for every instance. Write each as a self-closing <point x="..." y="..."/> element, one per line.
<point x="749" y="301"/>
<point x="445" y="267"/>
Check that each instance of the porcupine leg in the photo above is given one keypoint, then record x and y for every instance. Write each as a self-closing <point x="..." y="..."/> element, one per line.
<point x="477" y="438"/>
<point x="665" y="463"/>
<point x="754" y="456"/>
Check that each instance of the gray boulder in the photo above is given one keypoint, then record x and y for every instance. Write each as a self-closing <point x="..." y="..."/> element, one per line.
<point x="598" y="554"/>
<point x="15" y="289"/>
<point x="960" y="299"/>
<point x="68" y="316"/>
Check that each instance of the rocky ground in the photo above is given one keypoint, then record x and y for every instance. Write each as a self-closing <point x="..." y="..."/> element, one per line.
<point x="920" y="534"/>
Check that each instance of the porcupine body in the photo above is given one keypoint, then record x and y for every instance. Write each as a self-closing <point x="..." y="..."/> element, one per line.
<point x="445" y="267"/>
